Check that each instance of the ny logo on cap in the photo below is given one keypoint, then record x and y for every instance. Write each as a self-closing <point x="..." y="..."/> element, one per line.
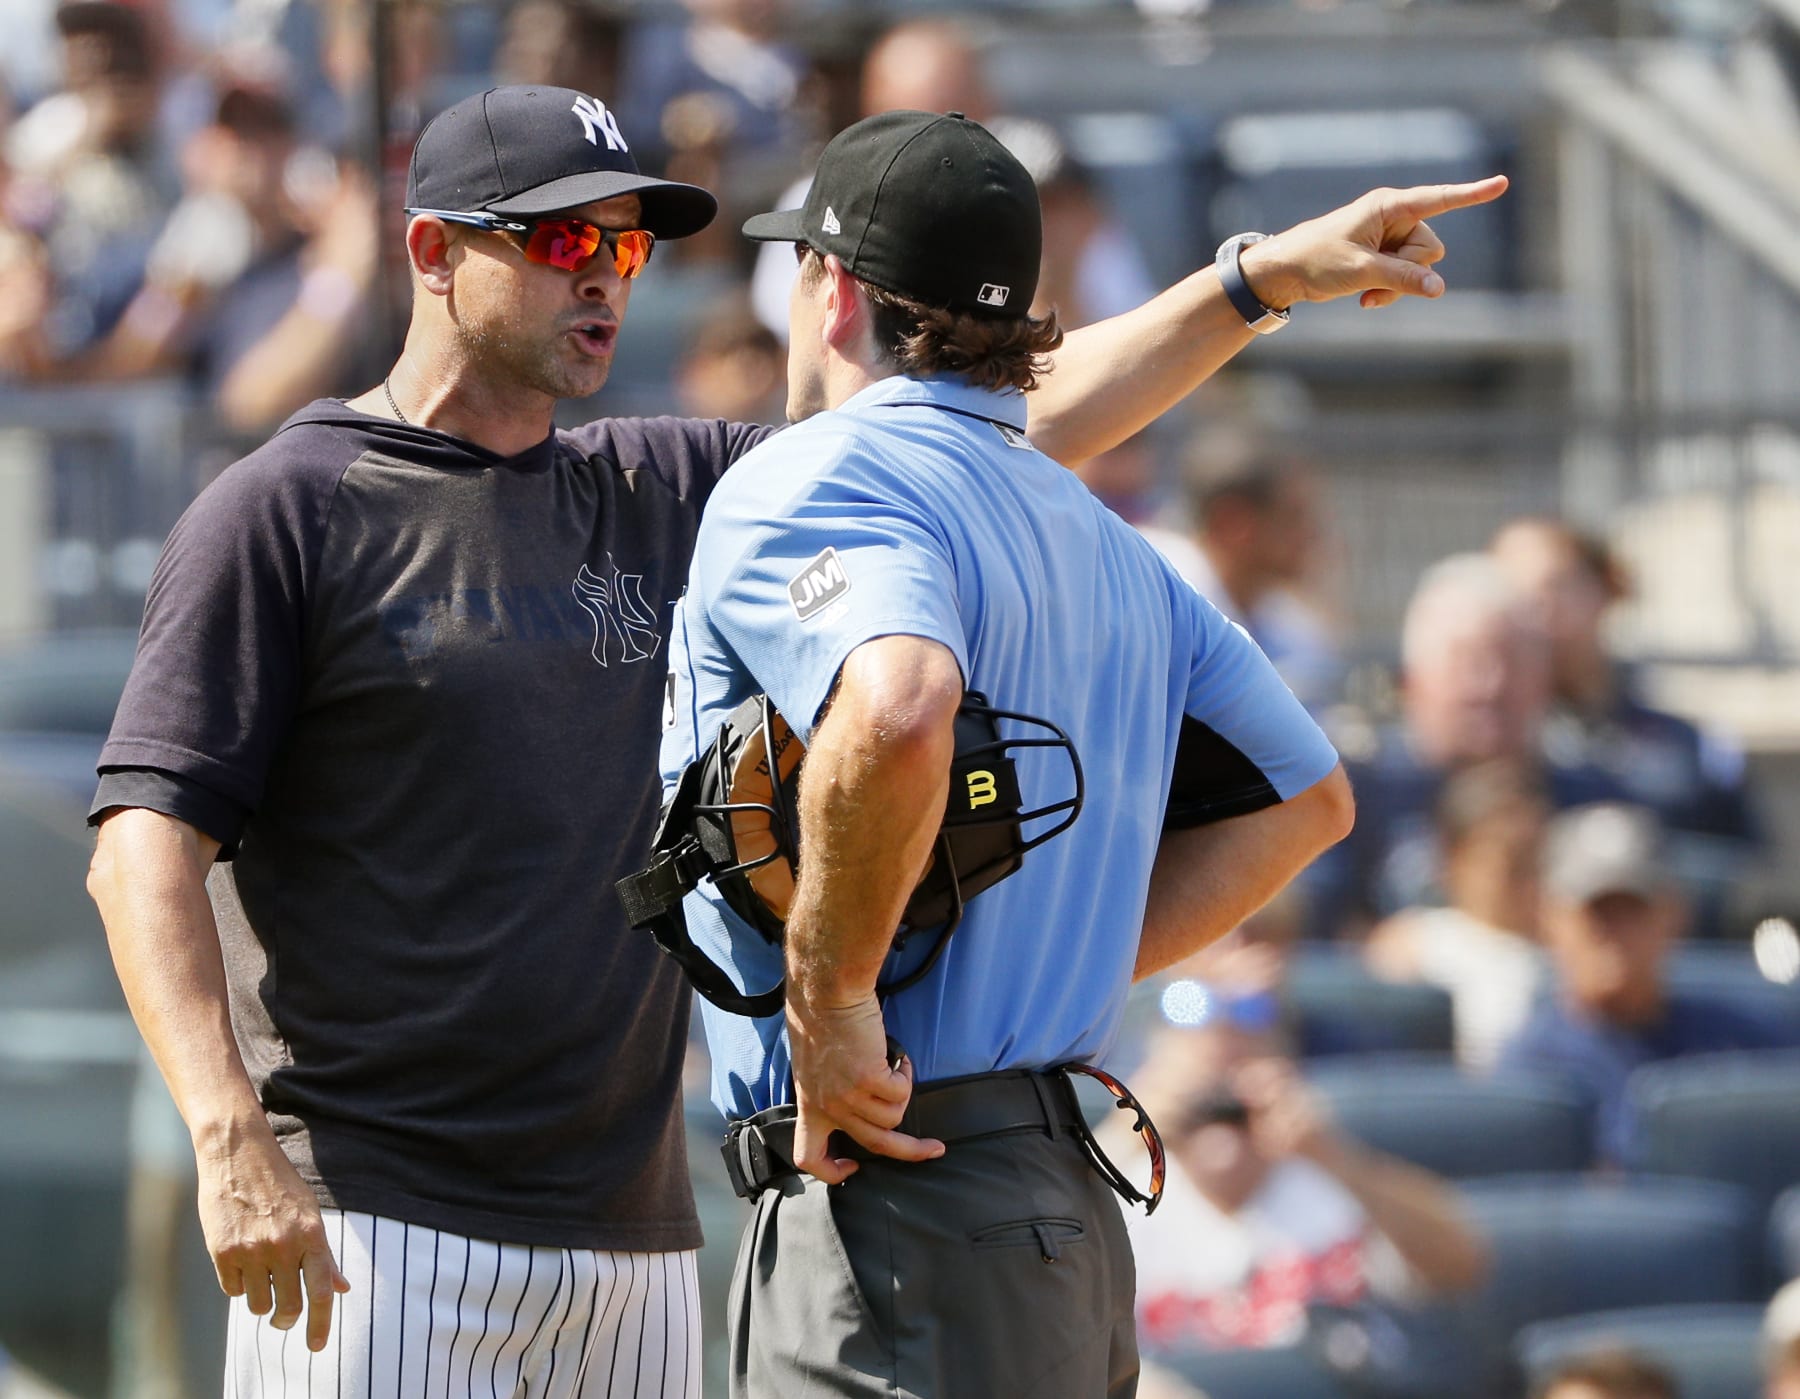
<point x="992" y="295"/>
<point x="597" y="121"/>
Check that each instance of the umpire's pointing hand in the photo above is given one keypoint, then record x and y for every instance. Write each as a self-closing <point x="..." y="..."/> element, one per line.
<point x="844" y="1082"/>
<point x="1378" y="246"/>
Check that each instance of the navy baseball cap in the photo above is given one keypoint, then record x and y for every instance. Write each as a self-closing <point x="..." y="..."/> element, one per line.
<point x="536" y="150"/>
<point x="931" y="207"/>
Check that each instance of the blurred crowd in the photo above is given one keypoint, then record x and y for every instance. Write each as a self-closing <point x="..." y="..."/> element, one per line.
<point x="207" y="191"/>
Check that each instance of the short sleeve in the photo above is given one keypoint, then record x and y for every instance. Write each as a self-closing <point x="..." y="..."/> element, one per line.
<point x="216" y="679"/>
<point x="689" y="455"/>
<point x="1246" y="742"/>
<point x="793" y="596"/>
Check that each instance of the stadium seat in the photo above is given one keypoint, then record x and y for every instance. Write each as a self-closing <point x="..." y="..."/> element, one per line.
<point x="1784" y="1234"/>
<point x="1724" y="1117"/>
<point x="1425" y="1110"/>
<point x="1286" y="1373"/>
<point x="64" y="684"/>
<point x="1711" y="1352"/>
<point x="1342" y="1009"/>
<point x="1569" y="1245"/>
<point x="1728" y="972"/>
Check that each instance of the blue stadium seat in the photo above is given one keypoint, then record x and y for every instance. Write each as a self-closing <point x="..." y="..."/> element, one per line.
<point x="1725" y="1117"/>
<point x="1342" y="1009"/>
<point x="1425" y="1110"/>
<point x="1728" y="972"/>
<point x="1287" y="1373"/>
<point x="1784" y="1235"/>
<point x="68" y="683"/>
<point x="1711" y="1352"/>
<point x="1568" y="1245"/>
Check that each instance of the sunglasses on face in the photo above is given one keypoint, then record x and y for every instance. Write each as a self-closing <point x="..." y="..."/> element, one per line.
<point x="564" y="243"/>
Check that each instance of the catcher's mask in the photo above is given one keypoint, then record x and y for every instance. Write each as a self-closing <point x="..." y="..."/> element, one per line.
<point x="733" y="819"/>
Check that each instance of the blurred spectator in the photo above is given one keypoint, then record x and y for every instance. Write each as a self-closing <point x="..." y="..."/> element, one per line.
<point x="927" y="65"/>
<point x="724" y="70"/>
<point x="1611" y="914"/>
<point x="1781" y="1344"/>
<point x="1475" y="685"/>
<point x="1609" y="1374"/>
<point x="1091" y="267"/>
<point x="1480" y="945"/>
<point x="1257" y="542"/>
<point x="1127" y="480"/>
<point x="1696" y="782"/>
<point x="735" y="368"/>
<point x="560" y="43"/>
<point x="1245" y="977"/>
<point x="1268" y="1210"/>
<point x="257" y="284"/>
<point x="82" y="200"/>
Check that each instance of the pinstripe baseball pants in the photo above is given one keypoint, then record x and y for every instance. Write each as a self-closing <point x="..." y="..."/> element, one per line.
<point x="432" y="1314"/>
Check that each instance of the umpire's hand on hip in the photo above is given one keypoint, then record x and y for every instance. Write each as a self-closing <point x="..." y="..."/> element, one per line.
<point x="264" y="1231"/>
<point x="1379" y="247"/>
<point x="844" y="1082"/>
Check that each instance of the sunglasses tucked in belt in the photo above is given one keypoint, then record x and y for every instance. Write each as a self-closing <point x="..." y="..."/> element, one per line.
<point x="564" y="243"/>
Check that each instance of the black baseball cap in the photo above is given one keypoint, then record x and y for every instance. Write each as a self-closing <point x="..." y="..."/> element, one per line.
<point x="930" y="207"/>
<point x="535" y="150"/>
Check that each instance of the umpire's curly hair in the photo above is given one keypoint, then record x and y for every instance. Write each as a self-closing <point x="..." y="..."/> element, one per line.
<point x="923" y="340"/>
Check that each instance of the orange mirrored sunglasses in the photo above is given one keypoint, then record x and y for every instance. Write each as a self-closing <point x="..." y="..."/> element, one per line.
<point x="564" y="243"/>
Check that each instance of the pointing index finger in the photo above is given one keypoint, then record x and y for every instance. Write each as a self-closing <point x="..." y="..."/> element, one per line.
<point x="1427" y="201"/>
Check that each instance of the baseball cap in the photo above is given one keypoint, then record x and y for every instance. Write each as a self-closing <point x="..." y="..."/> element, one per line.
<point x="1607" y="848"/>
<point x="534" y="150"/>
<point x="930" y="207"/>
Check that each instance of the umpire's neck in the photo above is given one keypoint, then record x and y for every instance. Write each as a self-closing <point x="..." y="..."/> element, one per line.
<point x="832" y="355"/>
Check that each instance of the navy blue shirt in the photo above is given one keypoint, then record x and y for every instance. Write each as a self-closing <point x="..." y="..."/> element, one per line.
<point x="1599" y="1059"/>
<point x="412" y="688"/>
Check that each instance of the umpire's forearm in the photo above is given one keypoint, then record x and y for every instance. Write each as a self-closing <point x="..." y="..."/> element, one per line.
<point x="1209" y="879"/>
<point x="872" y="798"/>
<point x="148" y="878"/>
<point x="1117" y="376"/>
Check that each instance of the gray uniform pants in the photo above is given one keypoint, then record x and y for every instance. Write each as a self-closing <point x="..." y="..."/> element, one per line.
<point x="1001" y="1269"/>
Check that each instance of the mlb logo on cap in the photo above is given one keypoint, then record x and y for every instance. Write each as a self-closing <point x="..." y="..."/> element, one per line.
<point x="992" y="295"/>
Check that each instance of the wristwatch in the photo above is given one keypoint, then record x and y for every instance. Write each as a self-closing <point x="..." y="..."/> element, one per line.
<point x="1260" y="318"/>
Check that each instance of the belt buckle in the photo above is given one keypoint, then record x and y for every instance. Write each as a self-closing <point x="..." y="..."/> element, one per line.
<point x="740" y="1166"/>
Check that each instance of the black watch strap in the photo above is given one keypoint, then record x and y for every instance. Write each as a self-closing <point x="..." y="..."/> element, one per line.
<point x="1262" y="319"/>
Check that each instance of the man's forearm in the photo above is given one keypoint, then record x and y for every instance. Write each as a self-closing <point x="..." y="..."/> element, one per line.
<point x="1209" y="879"/>
<point x="149" y="880"/>
<point x="1415" y="1211"/>
<point x="871" y="802"/>
<point x="1116" y="376"/>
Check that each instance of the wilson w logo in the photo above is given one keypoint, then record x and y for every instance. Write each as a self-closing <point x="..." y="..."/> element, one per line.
<point x="623" y="625"/>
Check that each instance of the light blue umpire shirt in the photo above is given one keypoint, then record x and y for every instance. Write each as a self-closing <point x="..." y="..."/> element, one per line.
<point x="919" y="508"/>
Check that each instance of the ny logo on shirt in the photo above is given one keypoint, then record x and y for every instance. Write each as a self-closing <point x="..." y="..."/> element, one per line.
<point x="623" y="624"/>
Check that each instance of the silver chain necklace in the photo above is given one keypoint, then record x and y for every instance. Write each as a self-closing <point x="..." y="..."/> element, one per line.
<point x="387" y="387"/>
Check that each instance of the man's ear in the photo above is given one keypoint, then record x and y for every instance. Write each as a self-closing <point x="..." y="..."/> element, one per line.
<point x="846" y="315"/>
<point x="432" y="252"/>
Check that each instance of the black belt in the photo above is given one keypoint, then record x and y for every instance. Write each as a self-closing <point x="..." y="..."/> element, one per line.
<point x="759" y="1150"/>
